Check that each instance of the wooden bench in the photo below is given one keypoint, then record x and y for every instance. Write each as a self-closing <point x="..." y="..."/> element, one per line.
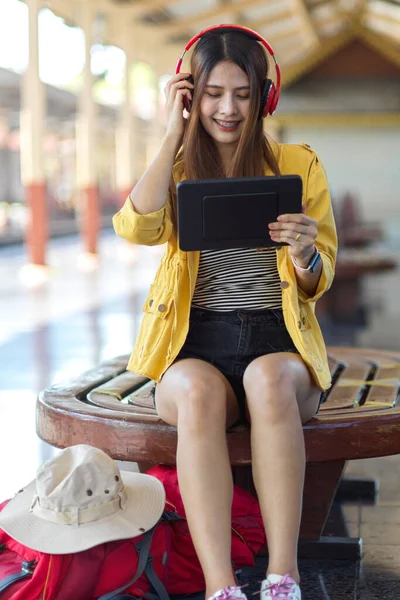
<point x="111" y="409"/>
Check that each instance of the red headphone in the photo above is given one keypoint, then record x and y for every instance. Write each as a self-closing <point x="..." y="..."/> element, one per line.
<point x="270" y="93"/>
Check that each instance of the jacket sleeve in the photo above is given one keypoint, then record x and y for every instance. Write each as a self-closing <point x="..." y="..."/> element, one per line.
<point x="147" y="230"/>
<point x="319" y="207"/>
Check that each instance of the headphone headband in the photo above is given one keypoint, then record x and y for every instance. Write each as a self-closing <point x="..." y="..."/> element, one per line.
<point x="239" y="28"/>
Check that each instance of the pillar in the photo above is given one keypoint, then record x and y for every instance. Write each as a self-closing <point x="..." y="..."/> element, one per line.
<point x="86" y="144"/>
<point x="125" y="138"/>
<point x="157" y="126"/>
<point x="32" y="158"/>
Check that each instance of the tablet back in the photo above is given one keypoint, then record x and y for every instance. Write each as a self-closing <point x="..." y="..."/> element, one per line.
<point x="235" y="212"/>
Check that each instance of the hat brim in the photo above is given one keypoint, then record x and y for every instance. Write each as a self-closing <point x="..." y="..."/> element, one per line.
<point x="143" y="508"/>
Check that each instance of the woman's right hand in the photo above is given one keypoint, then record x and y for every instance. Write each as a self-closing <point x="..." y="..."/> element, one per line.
<point x="176" y="88"/>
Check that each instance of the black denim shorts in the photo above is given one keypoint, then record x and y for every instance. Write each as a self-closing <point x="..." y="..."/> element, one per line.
<point x="232" y="340"/>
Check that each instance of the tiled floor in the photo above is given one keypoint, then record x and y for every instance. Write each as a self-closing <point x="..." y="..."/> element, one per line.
<point x="56" y="324"/>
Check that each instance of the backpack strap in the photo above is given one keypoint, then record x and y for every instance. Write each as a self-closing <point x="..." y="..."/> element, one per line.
<point x="27" y="568"/>
<point x="125" y="597"/>
<point x="144" y="555"/>
<point x="154" y="580"/>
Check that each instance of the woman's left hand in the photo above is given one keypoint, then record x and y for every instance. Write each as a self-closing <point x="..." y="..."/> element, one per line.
<point x="300" y="232"/>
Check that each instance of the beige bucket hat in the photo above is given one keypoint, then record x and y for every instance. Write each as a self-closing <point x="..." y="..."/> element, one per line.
<point x="80" y="499"/>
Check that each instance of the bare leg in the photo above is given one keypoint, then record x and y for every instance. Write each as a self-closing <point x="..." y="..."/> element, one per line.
<point x="280" y="397"/>
<point x="197" y="398"/>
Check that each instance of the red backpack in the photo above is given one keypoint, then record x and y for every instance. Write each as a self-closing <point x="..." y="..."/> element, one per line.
<point x="136" y="566"/>
<point x="160" y="562"/>
<point x="248" y="535"/>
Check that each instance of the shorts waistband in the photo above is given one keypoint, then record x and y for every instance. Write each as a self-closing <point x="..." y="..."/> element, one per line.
<point x="271" y="315"/>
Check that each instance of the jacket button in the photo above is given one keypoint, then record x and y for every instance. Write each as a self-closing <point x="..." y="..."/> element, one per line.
<point x="151" y="303"/>
<point x="161" y="307"/>
<point x="304" y="320"/>
<point x="299" y="324"/>
<point x="284" y="285"/>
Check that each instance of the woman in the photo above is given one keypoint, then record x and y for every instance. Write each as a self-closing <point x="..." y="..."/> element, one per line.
<point x="230" y="334"/>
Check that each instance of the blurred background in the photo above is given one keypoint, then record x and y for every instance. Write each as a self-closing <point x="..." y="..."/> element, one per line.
<point x="82" y="115"/>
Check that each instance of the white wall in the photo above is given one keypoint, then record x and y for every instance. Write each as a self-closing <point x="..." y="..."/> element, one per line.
<point x="362" y="161"/>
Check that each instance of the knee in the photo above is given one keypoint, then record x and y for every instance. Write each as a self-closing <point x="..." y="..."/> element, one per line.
<point x="202" y="405"/>
<point x="270" y="389"/>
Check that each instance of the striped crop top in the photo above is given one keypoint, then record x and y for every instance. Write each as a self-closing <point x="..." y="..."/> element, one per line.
<point x="238" y="278"/>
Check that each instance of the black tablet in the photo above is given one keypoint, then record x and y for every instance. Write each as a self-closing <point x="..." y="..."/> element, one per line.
<point x="234" y="212"/>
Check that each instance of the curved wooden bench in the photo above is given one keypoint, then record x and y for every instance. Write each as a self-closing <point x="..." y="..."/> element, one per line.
<point x="111" y="409"/>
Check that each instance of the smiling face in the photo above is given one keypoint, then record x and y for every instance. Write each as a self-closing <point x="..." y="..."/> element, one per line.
<point x="225" y="104"/>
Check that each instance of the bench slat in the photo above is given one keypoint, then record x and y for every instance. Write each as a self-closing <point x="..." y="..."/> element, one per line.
<point x="333" y="363"/>
<point x="114" y="393"/>
<point x="387" y="394"/>
<point x="357" y="416"/>
<point x="343" y="395"/>
<point x="143" y="397"/>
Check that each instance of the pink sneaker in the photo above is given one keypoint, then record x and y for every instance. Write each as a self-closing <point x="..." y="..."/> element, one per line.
<point x="278" y="586"/>
<point x="229" y="593"/>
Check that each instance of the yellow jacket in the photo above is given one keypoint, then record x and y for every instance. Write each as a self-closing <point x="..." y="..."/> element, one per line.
<point x="165" y="320"/>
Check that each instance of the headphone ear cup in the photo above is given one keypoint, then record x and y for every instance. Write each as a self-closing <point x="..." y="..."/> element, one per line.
<point x="267" y="97"/>
<point x="186" y="102"/>
<point x="274" y="101"/>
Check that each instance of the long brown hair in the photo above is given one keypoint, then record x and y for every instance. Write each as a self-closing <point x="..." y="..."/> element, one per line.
<point x="201" y="159"/>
